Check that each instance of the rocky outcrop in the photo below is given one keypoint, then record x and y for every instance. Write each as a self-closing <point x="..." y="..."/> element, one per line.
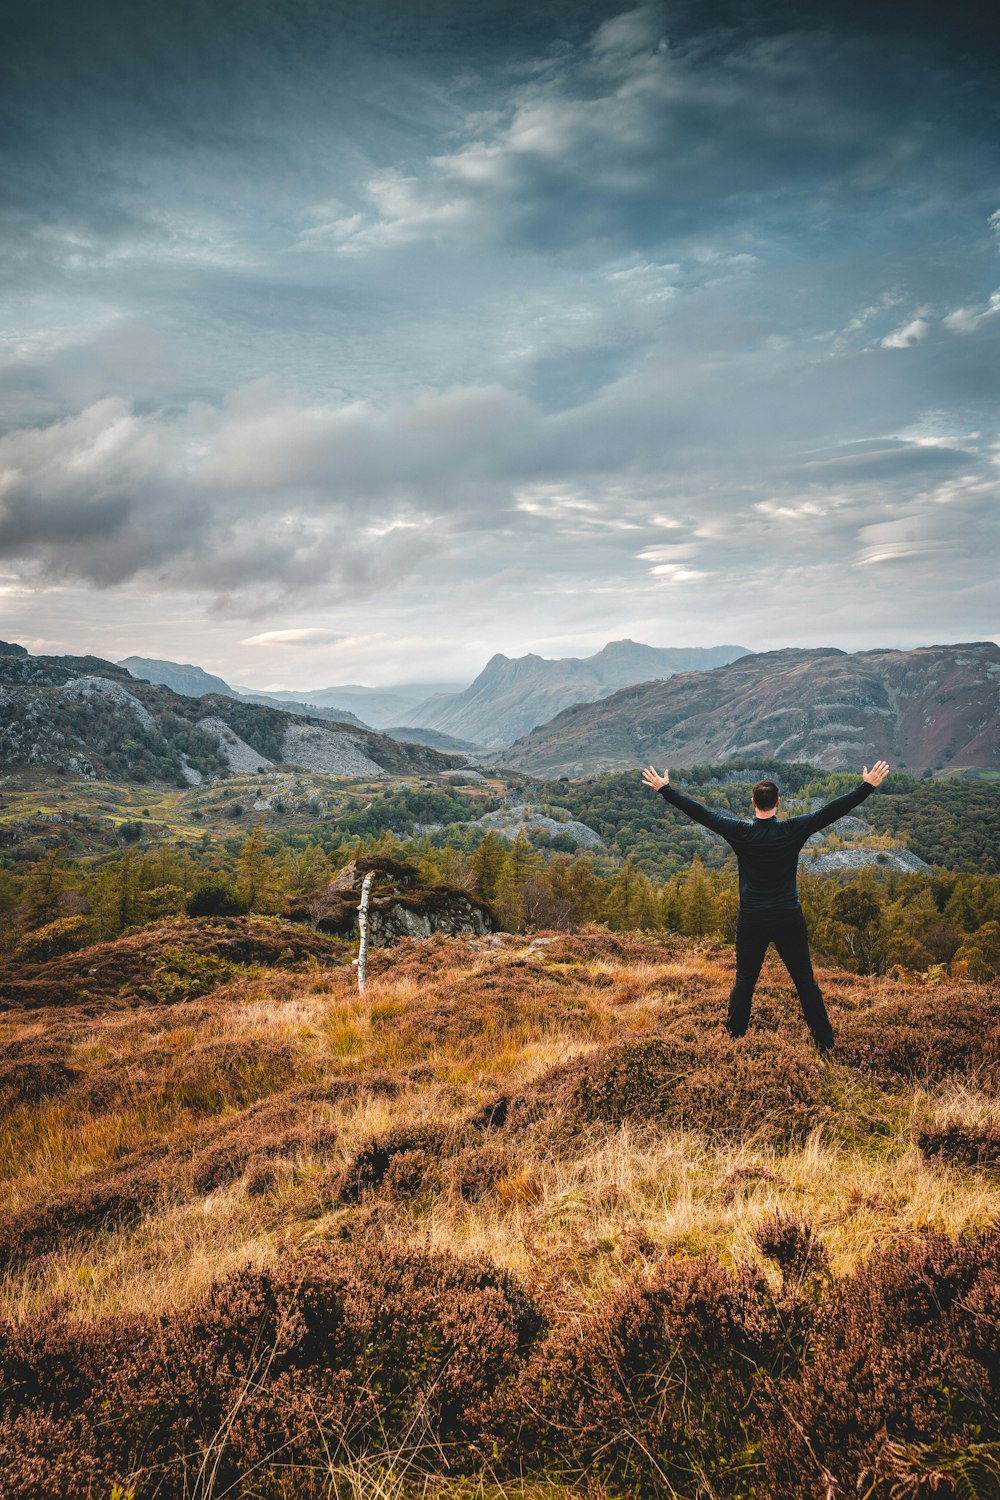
<point x="317" y="749"/>
<point x="239" y="756"/>
<point x="399" y="906"/>
<point x="521" y="817"/>
<point x="858" y="857"/>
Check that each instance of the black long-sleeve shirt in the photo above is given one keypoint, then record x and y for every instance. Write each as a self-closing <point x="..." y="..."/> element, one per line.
<point x="767" y="851"/>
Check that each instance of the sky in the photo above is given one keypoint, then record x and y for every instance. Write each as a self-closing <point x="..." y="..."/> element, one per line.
<point x="355" y="341"/>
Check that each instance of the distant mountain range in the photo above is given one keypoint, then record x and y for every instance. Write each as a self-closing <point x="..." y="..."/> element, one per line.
<point x="379" y="707"/>
<point x="194" y="682"/>
<point x="934" y="708"/>
<point x="511" y="695"/>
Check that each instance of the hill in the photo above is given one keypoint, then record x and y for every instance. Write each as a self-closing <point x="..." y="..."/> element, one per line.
<point x="194" y="682"/>
<point x="412" y="735"/>
<point x="379" y="706"/>
<point x="520" y="1220"/>
<point x="183" y="678"/>
<point x="510" y="696"/>
<point x="89" y="717"/>
<point x="934" y="708"/>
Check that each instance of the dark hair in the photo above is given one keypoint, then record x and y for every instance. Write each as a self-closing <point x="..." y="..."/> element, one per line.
<point x="765" y="795"/>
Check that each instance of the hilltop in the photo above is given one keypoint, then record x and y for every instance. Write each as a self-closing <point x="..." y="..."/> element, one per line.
<point x="934" y="708"/>
<point x="520" y="1215"/>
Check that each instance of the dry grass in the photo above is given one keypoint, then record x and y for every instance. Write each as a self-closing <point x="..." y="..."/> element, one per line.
<point x="446" y="1026"/>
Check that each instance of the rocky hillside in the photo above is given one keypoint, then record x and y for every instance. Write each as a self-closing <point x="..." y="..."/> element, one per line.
<point x="510" y="696"/>
<point x="89" y="717"/>
<point x="935" y="708"/>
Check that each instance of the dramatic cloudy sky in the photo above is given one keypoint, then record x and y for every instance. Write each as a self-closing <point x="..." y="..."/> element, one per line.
<point x="354" y="340"/>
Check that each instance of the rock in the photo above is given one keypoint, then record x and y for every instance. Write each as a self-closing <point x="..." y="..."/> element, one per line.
<point x="515" y="818"/>
<point x="89" y="687"/>
<point x="398" y="906"/>
<point x="821" y="862"/>
<point x="317" y="749"/>
<point x="239" y="755"/>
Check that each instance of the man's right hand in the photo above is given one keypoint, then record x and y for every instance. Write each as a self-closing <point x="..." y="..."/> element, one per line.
<point x="877" y="774"/>
<point x="652" y="779"/>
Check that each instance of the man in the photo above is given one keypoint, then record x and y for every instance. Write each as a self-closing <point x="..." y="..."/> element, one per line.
<point x="767" y="853"/>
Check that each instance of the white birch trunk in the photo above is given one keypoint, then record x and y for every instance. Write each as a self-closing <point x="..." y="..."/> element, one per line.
<point x="363" y="929"/>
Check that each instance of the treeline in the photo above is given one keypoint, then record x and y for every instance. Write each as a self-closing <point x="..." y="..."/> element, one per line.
<point x="943" y="922"/>
<point x="955" y="823"/>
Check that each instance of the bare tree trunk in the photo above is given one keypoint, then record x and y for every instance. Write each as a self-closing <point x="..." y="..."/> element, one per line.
<point x="363" y="929"/>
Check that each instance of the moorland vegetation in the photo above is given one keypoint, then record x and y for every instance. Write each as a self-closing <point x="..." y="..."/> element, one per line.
<point x="520" y="1220"/>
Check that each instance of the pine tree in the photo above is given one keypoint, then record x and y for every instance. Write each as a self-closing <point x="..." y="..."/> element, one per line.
<point x="698" y="909"/>
<point x="488" y="863"/>
<point x="41" y="901"/>
<point x="631" y="904"/>
<point x="254" y="873"/>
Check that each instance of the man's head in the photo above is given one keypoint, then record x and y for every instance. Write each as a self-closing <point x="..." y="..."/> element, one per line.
<point x="765" y="796"/>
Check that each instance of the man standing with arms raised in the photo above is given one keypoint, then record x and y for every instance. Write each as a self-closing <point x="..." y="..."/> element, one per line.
<point x="767" y="852"/>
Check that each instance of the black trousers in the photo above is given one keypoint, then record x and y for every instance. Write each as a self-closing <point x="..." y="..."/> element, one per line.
<point x="787" y="931"/>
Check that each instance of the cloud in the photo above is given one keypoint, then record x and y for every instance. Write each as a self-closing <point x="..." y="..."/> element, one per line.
<point x="303" y="636"/>
<point x="966" y="320"/>
<point x="632" y="140"/>
<point x="911" y="333"/>
<point x="537" y="323"/>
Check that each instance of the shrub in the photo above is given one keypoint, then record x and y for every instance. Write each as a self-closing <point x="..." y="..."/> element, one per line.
<point x="722" y="1088"/>
<point x="926" y="1035"/>
<point x="115" y="1195"/>
<point x="659" y="1388"/>
<point x="905" y="1350"/>
<point x="251" y="1146"/>
<point x="795" y="1248"/>
<point x="401" y="1159"/>
<point x="45" y="1458"/>
<point x="961" y="1145"/>
<point x="65" y="935"/>
<point x="214" y="898"/>
<point x="26" y="1077"/>
<point x="330" y="1352"/>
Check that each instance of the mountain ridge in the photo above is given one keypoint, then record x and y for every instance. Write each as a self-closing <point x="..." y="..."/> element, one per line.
<point x="932" y="708"/>
<point x="512" y="695"/>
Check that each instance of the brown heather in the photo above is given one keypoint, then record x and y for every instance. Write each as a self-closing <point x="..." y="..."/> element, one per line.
<point x="520" y="1220"/>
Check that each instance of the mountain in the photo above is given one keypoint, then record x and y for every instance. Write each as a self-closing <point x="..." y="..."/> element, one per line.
<point x="89" y="717"/>
<point x="934" y="708"/>
<point x="189" y="681"/>
<point x="512" y="695"/>
<point x="432" y="737"/>
<point x="377" y="706"/>
<point x="195" y="682"/>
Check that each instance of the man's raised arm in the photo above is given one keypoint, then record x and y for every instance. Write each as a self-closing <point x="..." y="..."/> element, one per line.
<point x="718" y="822"/>
<point x="811" y="823"/>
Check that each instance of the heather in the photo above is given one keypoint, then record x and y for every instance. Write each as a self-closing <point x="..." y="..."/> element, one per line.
<point x="521" y="1220"/>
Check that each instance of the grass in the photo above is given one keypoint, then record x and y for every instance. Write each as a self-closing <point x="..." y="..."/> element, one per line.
<point x="87" y="815"/>
<point x="462" y="1112"/>
<point x="444" y="1027"/>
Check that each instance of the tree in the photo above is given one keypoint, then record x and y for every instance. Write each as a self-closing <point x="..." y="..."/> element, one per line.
<point x="488" y="863"/>
<point x="699" y="914"/>
<point x="41" y="901"/>
<point x="254" y="872"/>
<point x="631" y="902"/>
